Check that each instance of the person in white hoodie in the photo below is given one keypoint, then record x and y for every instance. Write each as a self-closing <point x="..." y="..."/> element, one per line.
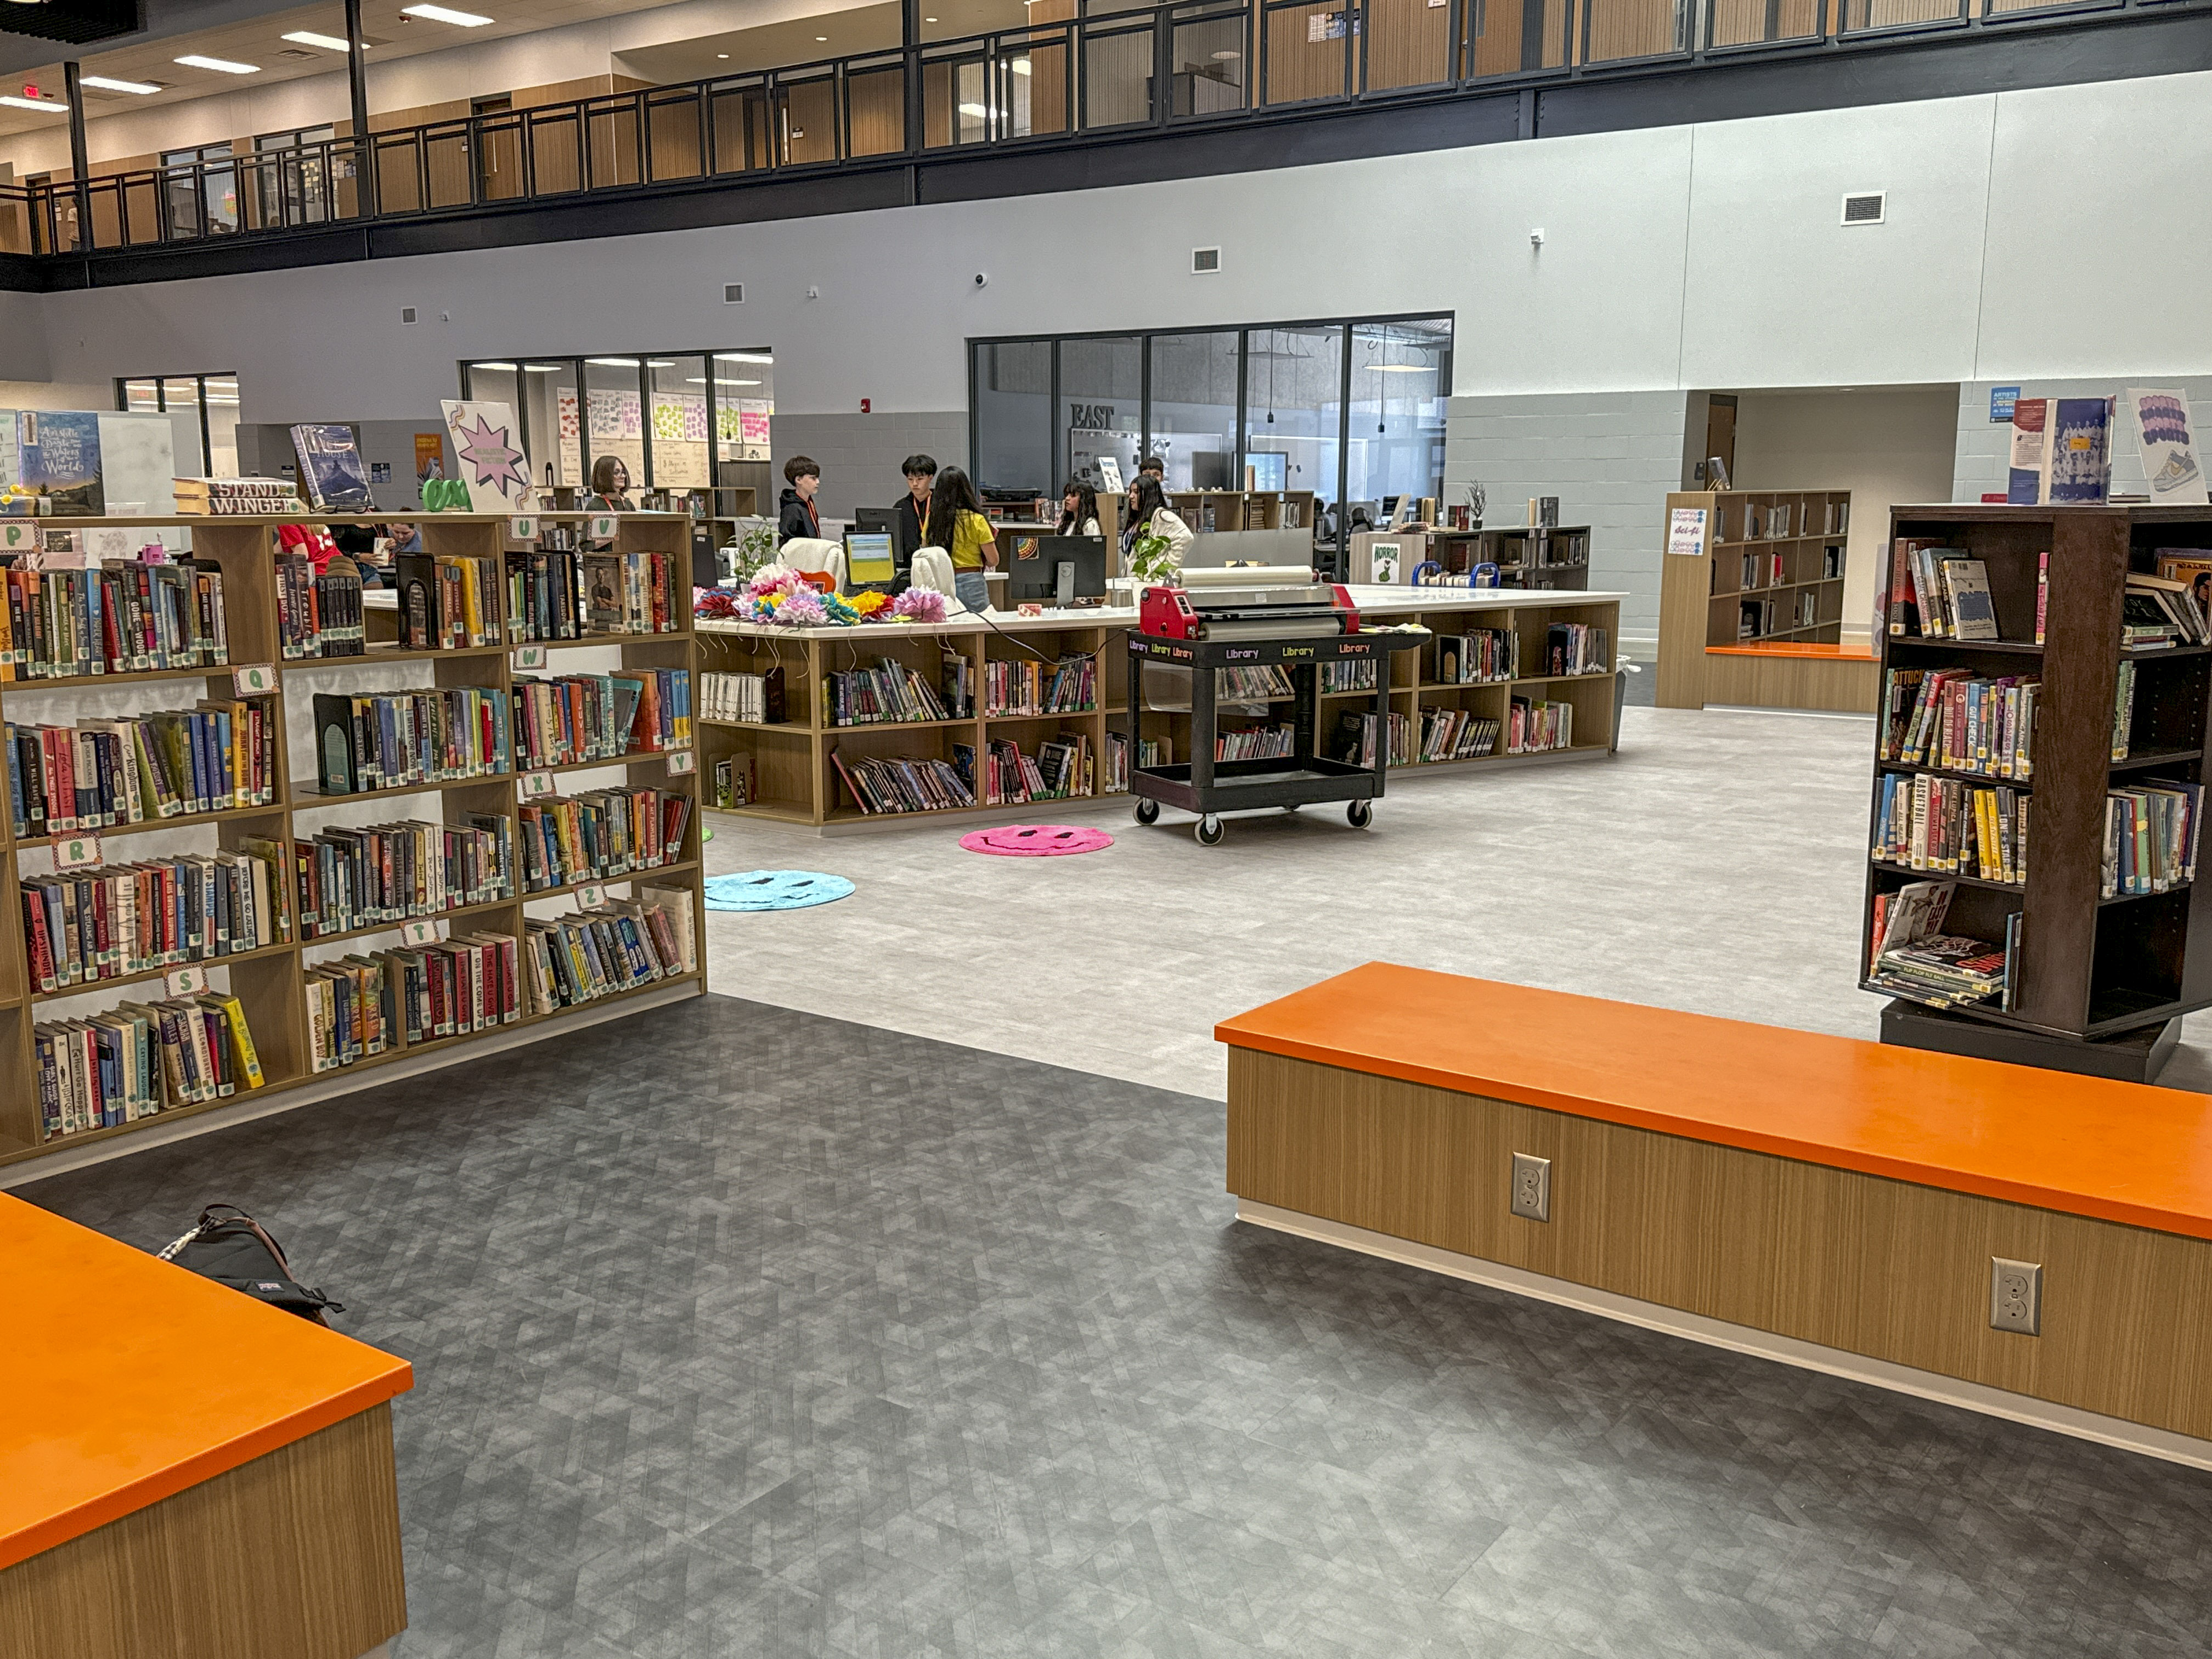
<point x="1150" y="515"/>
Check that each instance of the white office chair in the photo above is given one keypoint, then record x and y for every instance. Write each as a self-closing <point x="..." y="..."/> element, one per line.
<point x="932" y="568"/>
<point x="814" y="553"/>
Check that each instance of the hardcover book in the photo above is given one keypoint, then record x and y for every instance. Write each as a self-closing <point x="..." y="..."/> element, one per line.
<point x="58" y="456"/>
<point x="331" y="472"/>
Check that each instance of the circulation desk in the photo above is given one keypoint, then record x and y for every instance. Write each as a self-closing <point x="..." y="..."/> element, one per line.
<point x="185" y="1471"/>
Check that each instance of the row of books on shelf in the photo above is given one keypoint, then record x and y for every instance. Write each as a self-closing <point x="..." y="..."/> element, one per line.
<point x="121" y="616"/>
<point x="581" y="717"/>
<point x="753" y="699"/>
<point x="130" y="1061"/>
<point x="1756" y="618"/>
<point x="601" y="834"/>
<point x="1953" y="718"/>
<point x="350" y="876"/>
<point x="100" y="774"/>
<point x="1258" y="742"/>
<point x="363" y="1004"/>
<point x="1059" y="770"/>
<point x="1260" y="683"/>
<point x="237" y="497"/>
<point x="622" y="945"/>
<point x="2161" y="611"/>
<point x="1359" y="674"/>
<point x="1577" y="648"/>
<point x="1937" y="593"/>
<point x="85" y="925"/>
<point x="451" y="601"/>
<point x="889" y="693"/>
<point x="897" y="783"/>
<point x="1771" y="569"/>
<point x="1151" y="752"/>
<point x="2150" y="837"/>
<point x="1926" y="823"/>
<point x="1909" y="956"/>
<point x="1455" y="734"/>
<point x="1033" y="686"/>
<point x="1482" y="658"/>
<point x="544" y="593"/>
<point x="319" y="614"/>
<point x="1783" y="520"/>
<point x="1533" y="727"/>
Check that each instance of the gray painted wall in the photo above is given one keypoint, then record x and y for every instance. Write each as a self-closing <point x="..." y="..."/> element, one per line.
<point x="859" y="454"/>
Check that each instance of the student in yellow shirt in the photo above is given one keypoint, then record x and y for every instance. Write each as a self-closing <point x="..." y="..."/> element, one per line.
<point x="958" y="525"/>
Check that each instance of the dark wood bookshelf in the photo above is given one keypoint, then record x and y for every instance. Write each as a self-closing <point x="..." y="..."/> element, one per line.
<point x="2100" y="984"/>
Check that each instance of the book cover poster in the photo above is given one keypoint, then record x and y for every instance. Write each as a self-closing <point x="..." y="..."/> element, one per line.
<point x="58" y="455"/>
<point x="2030" y="470"/>
<point x="332" y="475"/>
<point x="488" y="454"/>
<point x="2169" y="445"/>
<point x="2081" y="450"/>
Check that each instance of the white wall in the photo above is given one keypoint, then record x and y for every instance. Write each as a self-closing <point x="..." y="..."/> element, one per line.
<point x="1884" y="444"/>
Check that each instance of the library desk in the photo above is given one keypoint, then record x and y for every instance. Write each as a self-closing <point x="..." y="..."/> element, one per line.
<point x="184" y="1470"/>
<point x="1821" y="1189"/>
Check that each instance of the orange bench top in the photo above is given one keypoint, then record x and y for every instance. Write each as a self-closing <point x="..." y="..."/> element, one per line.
<point x="133" y="1380"/>
<point x="1803" y="649"/>
<point x="2091" y="1146"/>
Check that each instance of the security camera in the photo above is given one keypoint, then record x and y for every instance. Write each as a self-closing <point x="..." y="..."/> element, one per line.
<point x="981" y="278"/>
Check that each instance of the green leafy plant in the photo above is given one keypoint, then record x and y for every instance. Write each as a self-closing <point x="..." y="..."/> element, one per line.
<point x="1151" y="558"/>
<point x="755" y="549"/>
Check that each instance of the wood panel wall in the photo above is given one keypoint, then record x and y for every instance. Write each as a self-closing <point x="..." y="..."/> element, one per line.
<point x="1872" y="1266"/>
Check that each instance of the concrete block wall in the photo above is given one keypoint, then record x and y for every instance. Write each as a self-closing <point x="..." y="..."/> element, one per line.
<point x="1984" y="445"/>
<point x="859" y="455"/>
<point x="1610" y="457"/>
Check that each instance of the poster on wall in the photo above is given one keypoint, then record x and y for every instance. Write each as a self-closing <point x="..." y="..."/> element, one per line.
<point x="2169" y="445"/>
<point x="488" y="454"/>
<point x="58" y="456"/>
<point x="429" y="456"/>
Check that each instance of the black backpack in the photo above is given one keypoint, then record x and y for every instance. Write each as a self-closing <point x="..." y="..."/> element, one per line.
<point x="230" y="1247"/>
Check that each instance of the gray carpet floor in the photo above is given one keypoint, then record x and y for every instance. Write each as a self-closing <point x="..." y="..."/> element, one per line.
<point x="745" y="1332"/>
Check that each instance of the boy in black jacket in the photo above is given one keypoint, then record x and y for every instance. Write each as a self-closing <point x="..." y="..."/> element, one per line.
<point x="798" y="516"/>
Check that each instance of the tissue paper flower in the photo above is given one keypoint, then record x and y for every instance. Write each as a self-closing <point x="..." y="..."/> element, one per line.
<point x="802" y="609"/>
<point x="868" y="603"/>
<point x="919" y="604"/>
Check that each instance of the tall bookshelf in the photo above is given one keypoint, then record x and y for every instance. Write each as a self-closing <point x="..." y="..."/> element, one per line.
<point x="271" y="983"/>
<point x="2100" y="984"/>
<point x="797" y="782"/>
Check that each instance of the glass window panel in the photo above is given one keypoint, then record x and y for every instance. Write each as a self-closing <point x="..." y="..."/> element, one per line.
<point x="744" y="406"/>
<point x="557" y="447"/>
<point x="220" y="393"/>
<point x="679" y="422"/>
<point x="1117" y="78"/>
<point x="1747" y="23"/>
<point x="1898" y="14"/>
<point x="1293" y="407"/>
<point x="1306" y="55"/>
<point x="614" y="415"/>
<point x="1400" y="382"/>
<point x="1511" y="37"/>
<point x="141" y="394"/>
<point x="1102" y="400"/>
<point x="1408" y="44"/>
<point x="1209" y="65"/>
<point x="1194" y="408"/>
<point x="1039" y="63"/>
<point x="1013" y="416"/>
<point x="1619" y="29"/>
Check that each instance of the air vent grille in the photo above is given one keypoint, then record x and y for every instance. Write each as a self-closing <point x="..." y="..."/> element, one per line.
<point x="733" y="293"/>
<point x="1864" y="209"/>
<point x="407" y="314"/>
<point x="1205" y="260"/>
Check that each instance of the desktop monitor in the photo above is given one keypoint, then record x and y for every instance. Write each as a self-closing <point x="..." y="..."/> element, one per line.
<point x="876" y="521"/>
<point x="1055" y="569"/>
<point x="869" y="562"/>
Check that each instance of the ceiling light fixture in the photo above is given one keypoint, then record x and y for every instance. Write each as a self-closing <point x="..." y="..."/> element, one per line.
<point x="221" y="65"/>
<point x="505" y="368"/>
<point x="611" y="362"/>
<point x="544" y="369"/>
<point x="724" y="55"/>
<point x="744" y="357"/>
<point x="53" y="105"/>
<point x="821" y="40"/>
<point x="463" y="19"/>
<point x="141" y="87"/>
<point x="327" y="42"/>
<point x="1019" y="65"/>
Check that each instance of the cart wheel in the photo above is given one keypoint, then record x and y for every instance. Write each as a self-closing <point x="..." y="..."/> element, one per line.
<point x="1148" y="811"/>
<point x="1209" y="831"/>
<point x="1360" y="813"/>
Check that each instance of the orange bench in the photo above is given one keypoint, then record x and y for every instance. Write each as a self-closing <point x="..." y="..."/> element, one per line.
<point x="1841" y="1193"/>
<point x="184" y="1470"/>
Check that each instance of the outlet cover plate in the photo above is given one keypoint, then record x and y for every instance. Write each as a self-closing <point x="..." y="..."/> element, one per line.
<point x="2016" y="1296"/>
<point x="1532" y="1186"/>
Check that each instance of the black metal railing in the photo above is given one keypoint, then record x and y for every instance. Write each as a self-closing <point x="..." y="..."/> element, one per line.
<point x="1114" y="68"/>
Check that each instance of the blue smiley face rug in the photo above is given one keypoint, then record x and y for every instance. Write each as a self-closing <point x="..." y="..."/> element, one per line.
<point x="774" y="890"/>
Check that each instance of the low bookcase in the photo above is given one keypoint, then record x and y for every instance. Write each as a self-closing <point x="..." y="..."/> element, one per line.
<point x="2100" y="984"/>
<point x="270" y="983"/>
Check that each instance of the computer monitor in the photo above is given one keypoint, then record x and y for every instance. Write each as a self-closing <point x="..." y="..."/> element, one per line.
<point x="876" y="521"/>
<point x="1055" y="569"/>
<point x="869" y="562"/>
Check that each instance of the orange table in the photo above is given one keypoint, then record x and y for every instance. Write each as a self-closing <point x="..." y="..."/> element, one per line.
<point x="1838" y="1192"/>
<point x="184" y="1470"/>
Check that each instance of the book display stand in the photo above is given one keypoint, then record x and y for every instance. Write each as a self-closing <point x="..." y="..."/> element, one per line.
<point x="270" y="983"/>
<point x="2098" y="984"/>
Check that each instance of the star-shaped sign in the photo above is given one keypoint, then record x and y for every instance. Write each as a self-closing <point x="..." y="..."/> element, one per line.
<point x="497" y="462"/>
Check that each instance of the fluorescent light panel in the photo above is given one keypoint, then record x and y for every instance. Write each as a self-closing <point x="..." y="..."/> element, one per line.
<point x="141" y="87"/>
<point x="327" y="42"/>
<point x="221" y="65"/>
<point x="52" y="106"/>
<point x="465" y="19"/>
<point x="744" y="357"/>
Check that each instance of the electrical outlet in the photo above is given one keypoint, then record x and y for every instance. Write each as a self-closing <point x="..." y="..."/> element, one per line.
<point x="1532" y="1186"/>
<point x="2016" y="1296"/>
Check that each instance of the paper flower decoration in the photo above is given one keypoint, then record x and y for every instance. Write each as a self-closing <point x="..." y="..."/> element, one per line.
<point x="919" y="604"/>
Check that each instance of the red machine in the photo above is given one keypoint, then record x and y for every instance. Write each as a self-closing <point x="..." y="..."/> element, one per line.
<point x="1251" y="604"/>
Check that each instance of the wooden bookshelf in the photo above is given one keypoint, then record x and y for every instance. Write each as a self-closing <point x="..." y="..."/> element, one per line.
<point x="1554" y="558"/>
<point x="1209" y="512"/>
<point x="270" y="982"/>
<point x="1751" y="606"/>
<point x="797" y="783"/>
<point x="2100" y="984"/>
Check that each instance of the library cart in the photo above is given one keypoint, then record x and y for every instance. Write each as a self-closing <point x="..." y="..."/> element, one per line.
<point x="1305" y="777"/>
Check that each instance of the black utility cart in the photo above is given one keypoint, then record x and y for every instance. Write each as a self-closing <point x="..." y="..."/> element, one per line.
<point x="1305" y="778"/>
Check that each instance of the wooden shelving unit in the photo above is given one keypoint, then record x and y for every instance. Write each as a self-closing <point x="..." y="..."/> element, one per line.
<point x="1551" y="558"/>
<point x="1211" y="511"/>
<point x="270" y="982"/>
<point x="797" y="782"/>
<point x="2100" y="984"/>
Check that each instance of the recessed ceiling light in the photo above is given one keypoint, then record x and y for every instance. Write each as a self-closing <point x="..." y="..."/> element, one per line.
<point x="929" y="20"/>
<point x="1019" y="65"/>
<point x="744" y="357"/>
<point x="141" y="87"/>
<point x="53" y="106"/>
<point x="613" y="362"/>
<point x="465" y="20"/>
<point x="975" y="110"/>
<point x="504" y="368"/>
<point x="546" y="368"/>
<point x="1226" y="56"/>
<point x="221" y="65"/>
<point x="722" y="54"/>
<point x="821" y="39"/>
<point x="327" y="42"/>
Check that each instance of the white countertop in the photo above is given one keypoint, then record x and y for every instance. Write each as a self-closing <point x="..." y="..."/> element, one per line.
<point x="1371" y="601"/>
